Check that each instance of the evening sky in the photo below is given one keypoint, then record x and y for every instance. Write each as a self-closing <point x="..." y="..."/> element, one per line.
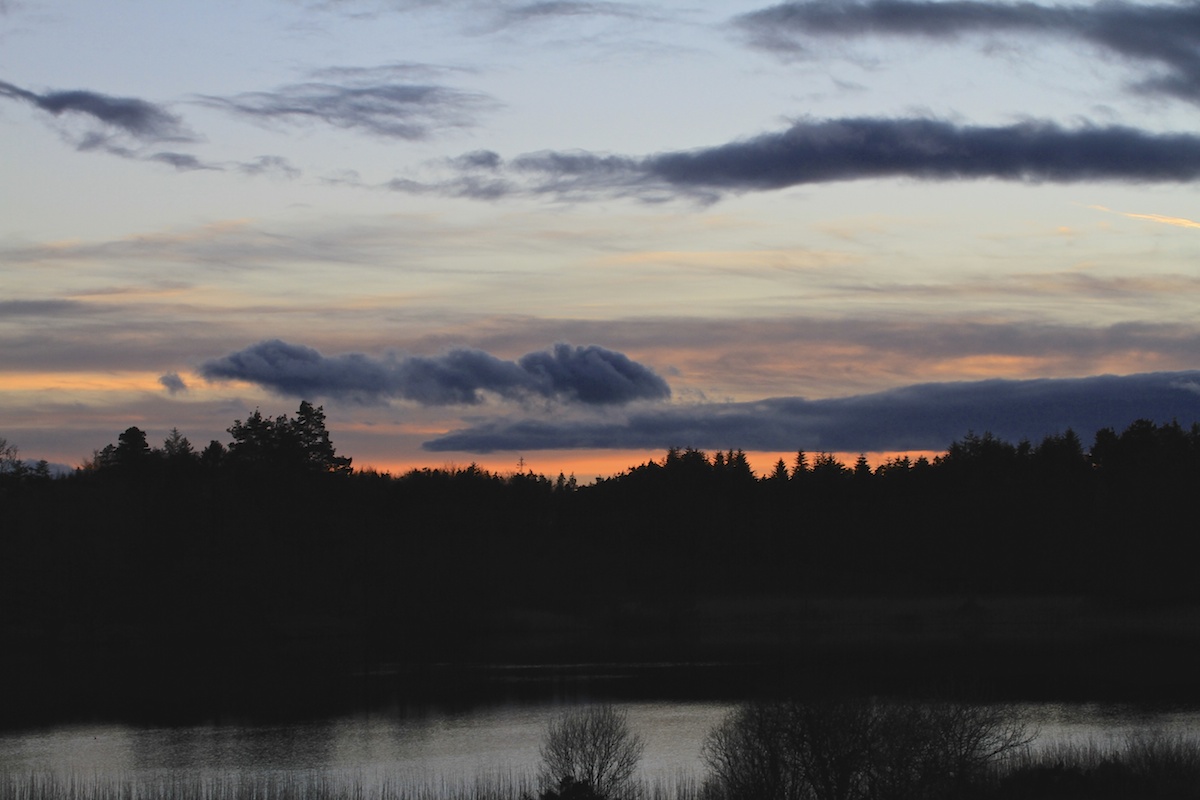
<point x="578" y="233"/>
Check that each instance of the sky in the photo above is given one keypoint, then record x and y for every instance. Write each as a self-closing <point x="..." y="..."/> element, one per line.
<point x="566" y="236"/>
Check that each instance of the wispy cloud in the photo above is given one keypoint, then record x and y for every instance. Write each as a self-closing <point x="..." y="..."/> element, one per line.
<point x="38" y="308"/>
<point x="128" y="127"/>
<point x="383" y="101"/>
<point x="499" y="16"/>
<point x="222" y="245"/>
<point x="143" y="120"/>
<point x="920" y="417"/>
<point x="589" y="375"/>
<point x="277" y="166"/>
<point x="491" y="16"/>
<point x="1161" y="36"/>
<point x="827" y="151"/>
<point x="184" y="162"/>
<point x="1179" y="222"/>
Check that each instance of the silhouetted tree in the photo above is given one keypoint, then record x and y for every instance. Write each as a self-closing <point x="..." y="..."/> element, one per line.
<point x="827" y="467"/>
<point x="746" y="758"/>
<point x="737" y="466"/>
<point x="592" y="746"/>
<point x="176" y="446"/>
<point x="13" y="469"/>
<point x="132" y="451"/>
<point x="981" y="458"/>
<point x="286" y="444"/>
<point x="896" y="466"/>
<point x="10" y="462"/>
<point x="862" y="468"/>
<point x="213" y="455"/>
<point x="780" y="472"/>
<point x="309" y="429"/>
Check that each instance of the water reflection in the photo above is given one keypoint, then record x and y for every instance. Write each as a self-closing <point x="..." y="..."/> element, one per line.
<point x="1105" y="724"/>
<point x="485" y="742"/>
<point x="498" y="740"/>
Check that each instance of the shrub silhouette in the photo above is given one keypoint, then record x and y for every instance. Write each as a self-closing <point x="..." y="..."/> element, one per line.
<point x="589" y="753"/>
<point x="570" y="789"/>
<point x="857" y="750"/>
<point x="747" y="760"/>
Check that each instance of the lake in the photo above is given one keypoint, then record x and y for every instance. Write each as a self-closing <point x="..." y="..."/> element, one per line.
<point x="422" y="744"/>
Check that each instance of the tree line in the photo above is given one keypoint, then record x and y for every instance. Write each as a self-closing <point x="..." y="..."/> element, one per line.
<point x="290" y="445"/>
<point x="271" y="547"/>
<point x="985" y="516"/>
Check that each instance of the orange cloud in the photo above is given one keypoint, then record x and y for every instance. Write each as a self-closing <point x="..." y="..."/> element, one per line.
<point x="1179" y="222"/>
<point x="80" y="381"/>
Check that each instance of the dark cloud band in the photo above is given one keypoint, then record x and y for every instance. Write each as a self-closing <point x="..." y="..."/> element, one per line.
<point x="827" y="151"/>
<point x="920" y="417"/>
<point x="588" y="375"/>
<point x="850" y="149"/>
<point x="1163" y="35"/>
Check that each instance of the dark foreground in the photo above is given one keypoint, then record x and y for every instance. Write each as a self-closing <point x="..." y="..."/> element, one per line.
<point x="266" y="579"/>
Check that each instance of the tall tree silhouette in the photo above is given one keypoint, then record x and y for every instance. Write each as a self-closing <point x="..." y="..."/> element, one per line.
<point x="286" y="444"/>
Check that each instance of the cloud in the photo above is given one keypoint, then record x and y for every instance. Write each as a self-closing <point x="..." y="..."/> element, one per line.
<point x="833" y="150"/>
<point x="380" y="101"/>
<point x="1162" y="35"/>
<point x="181" y="161"/>
<point x="519" y="14"/>
<point x="127" y="127"/>
<point x="593" y="375"/>
<point x="588" y="375"/>
<point x="39" y="308"/>
<point x="478" y="159"/>
<point x="173" y="383"/>
<point x="1178" y="222"/>
<point x="851" y="149"/>
<point x="921" y="417"/>
<point x="570" y="8"/>
<point x="492" y="16"/>
<point x="270" y="165"/>
<point x="138" y="118"/>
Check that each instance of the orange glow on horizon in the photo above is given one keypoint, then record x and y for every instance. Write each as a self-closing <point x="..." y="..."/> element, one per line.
<point x="586" y="466"/>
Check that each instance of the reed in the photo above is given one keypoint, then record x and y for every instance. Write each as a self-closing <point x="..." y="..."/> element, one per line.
<point x="1145" y="765"/>
<point x="314" y="785"/>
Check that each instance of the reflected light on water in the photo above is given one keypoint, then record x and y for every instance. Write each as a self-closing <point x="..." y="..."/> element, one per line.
<point x="495" y="741"/>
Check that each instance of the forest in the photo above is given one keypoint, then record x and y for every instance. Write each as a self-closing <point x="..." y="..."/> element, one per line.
<point x="266" y="566"/>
